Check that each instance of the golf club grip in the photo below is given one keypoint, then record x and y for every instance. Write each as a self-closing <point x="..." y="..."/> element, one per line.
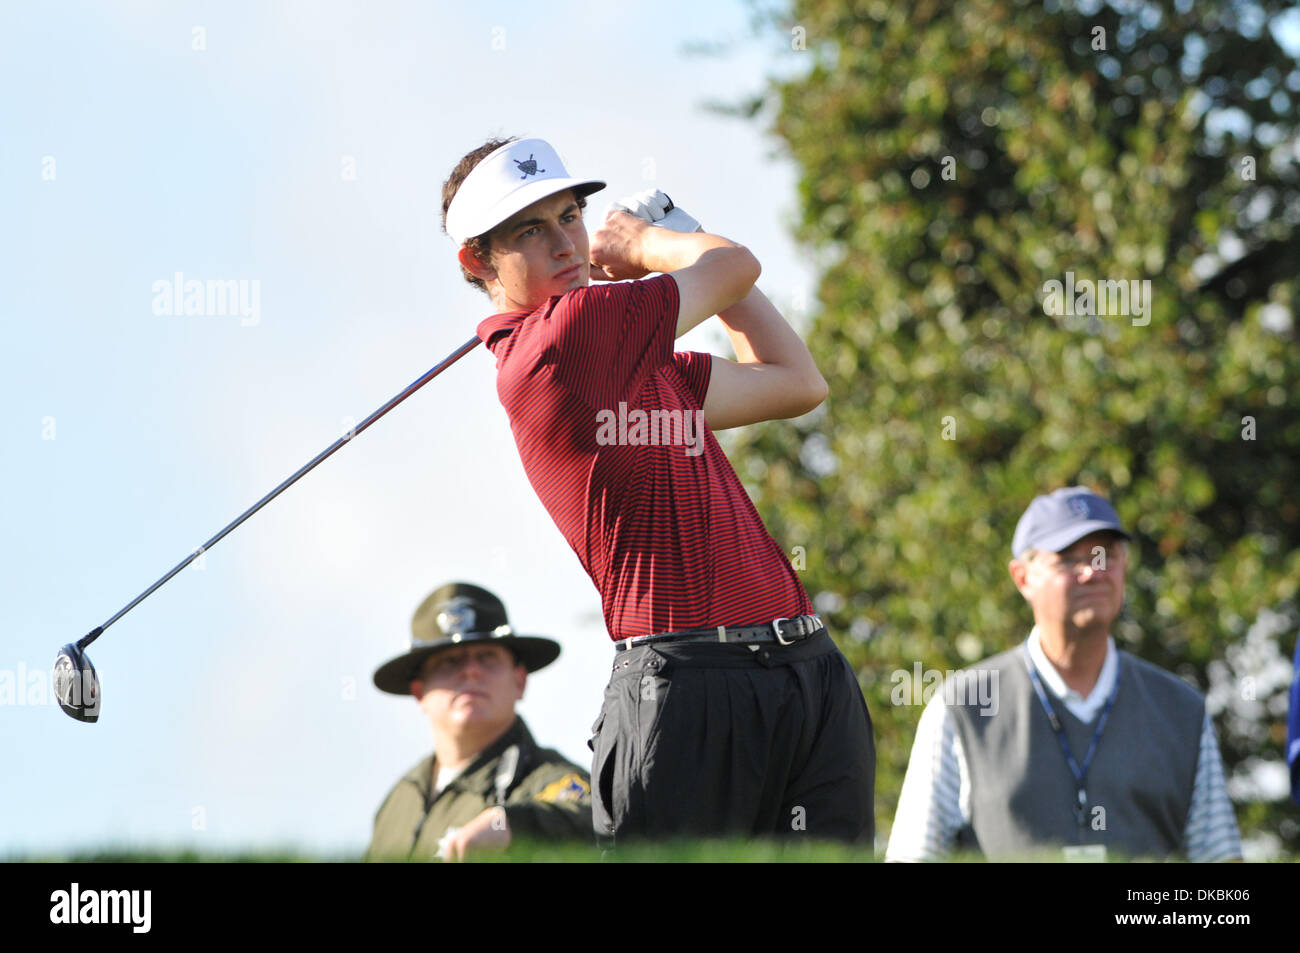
<point x="410" y="389"/>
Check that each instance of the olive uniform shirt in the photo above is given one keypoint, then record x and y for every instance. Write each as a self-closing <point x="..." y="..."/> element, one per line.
<point x="544" y="795"/>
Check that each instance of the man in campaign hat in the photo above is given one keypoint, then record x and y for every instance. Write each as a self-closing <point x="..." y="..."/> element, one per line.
<point x="1065" y="743"/>
<point x="487" y="781"/>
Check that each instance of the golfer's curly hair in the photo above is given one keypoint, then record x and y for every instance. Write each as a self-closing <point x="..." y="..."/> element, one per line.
<point x="480" y="245"/>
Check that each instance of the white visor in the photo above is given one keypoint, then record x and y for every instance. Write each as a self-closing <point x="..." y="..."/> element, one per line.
<point x="507" y="180"/>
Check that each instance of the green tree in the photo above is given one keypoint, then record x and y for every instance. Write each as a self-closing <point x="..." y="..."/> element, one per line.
<point x="955" y="157"/>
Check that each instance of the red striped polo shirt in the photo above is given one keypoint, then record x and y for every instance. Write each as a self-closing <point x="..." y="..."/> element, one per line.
<point x="604" y="413"/>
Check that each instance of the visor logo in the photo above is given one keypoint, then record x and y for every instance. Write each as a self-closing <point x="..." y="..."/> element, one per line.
<point x="528" y="166"/>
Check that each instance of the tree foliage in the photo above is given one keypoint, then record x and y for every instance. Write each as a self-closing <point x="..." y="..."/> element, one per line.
<point x="955" y="157"/>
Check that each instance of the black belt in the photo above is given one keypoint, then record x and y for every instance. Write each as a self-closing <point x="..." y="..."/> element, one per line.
<point x="784" y="631"/>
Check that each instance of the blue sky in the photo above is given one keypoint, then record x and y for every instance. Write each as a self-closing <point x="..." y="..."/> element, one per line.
<point x="238" y="709"/>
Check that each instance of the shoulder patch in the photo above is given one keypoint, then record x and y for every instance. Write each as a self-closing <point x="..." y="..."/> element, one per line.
<point x="571" y="787"/>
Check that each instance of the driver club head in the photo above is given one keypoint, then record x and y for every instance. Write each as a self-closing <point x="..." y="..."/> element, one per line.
<point x="76" y="685"/>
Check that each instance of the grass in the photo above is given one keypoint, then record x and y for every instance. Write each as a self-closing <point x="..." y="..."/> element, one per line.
<point x="686" y="851"/>
<point x="696" y="851"/>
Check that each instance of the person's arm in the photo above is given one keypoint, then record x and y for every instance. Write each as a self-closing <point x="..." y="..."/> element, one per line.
<point x="1211" y="833"/>
<point x="929" y="814"/>
<point x="498" y="827"/>
<point x="567" y="820"/>
<point x="712" y="273"/>
<point x="773" y="377"/>
<point x="553" y="804"/>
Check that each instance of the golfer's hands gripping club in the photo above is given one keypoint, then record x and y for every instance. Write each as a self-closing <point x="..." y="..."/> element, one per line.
<point x="650" y="206"/>
<point x="658" y="209"/>
<point x="618" y="248"/>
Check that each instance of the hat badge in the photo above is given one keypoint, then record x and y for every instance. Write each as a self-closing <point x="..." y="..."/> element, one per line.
<point x="457" y="616"/>
<point x="1079" y="507"/>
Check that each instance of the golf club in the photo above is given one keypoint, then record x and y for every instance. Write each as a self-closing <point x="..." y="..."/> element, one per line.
<point x="76" y="684"/>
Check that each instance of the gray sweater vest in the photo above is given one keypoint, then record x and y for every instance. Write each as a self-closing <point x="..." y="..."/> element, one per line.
<point x="1023" y="793"/>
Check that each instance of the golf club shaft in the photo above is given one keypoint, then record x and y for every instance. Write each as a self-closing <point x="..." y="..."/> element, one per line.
<point x="429" y="375"/>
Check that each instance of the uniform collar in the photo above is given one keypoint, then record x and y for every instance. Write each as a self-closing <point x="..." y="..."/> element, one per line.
<point x="1082" y="708"/>
<point x="479" y="774"/>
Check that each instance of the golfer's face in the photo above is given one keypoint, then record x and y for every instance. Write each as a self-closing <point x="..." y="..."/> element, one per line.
<point x="541" y="251"/>
<point x="471" y="686"/>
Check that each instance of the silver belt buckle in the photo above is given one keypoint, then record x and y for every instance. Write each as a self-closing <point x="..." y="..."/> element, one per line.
<point x="776" y="627"/>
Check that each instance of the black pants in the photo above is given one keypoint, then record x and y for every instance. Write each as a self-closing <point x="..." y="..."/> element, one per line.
<point x="704" y="739"/>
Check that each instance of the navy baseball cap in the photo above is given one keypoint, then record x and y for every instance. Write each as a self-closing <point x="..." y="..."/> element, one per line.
<point x="1054" y="521"/>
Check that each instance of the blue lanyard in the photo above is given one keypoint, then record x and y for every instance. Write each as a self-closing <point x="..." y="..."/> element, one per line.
<point x="1080" y="774"/>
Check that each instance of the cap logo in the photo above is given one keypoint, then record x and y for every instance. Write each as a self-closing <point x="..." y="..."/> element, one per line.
<point x="1079" y="507"/>
<point x="457" y="616"/>
<point x="528" y="166"/>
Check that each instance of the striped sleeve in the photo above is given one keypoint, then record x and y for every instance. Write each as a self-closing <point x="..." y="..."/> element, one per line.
<point x="604" y="340"/>
<point x="930" y="806"/>
<point x="696" y="367"/>
<point x="1211" y="833"/>
<point x="1293" y="730"/>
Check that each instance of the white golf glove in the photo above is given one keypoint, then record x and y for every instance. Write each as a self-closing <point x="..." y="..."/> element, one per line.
<point x="658" y="209"/>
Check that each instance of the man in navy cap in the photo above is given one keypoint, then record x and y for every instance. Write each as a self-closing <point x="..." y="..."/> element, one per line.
<point x="1065" y="743"/>
<point x="487" y="780"/>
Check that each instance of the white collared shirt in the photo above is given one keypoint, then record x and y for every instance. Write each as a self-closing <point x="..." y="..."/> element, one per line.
<point x="445" y="776"/>
<point x="1085" y="709"/>
<point x="934" y="804"/>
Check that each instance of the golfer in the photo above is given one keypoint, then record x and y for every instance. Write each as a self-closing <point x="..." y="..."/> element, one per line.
<point x="729" y="710"/>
